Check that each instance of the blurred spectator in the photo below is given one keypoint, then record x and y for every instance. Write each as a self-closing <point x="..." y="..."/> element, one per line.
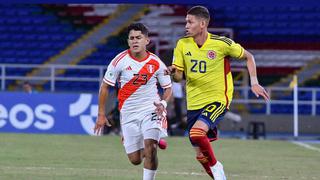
<point x="27" y="87"/>
<point x="178" y="97"/>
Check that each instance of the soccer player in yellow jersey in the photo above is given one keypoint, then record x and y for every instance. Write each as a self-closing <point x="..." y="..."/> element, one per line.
<point x="203" y="58"/>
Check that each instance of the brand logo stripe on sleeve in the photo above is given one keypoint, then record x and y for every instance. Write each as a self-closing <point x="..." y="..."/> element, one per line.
<point x="116" y="61"/>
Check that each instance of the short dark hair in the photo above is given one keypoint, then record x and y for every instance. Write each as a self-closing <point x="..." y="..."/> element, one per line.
<point x="200" y="11"/>
<point x="138" y="27"/>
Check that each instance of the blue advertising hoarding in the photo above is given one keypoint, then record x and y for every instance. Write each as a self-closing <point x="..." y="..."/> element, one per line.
<point x="49" y="113"/>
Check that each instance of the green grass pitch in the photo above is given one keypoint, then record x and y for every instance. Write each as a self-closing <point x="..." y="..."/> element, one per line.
<point x="26" y="156"/>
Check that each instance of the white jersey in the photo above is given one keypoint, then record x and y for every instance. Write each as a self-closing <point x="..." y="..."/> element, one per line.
<point x="138" y="81"/>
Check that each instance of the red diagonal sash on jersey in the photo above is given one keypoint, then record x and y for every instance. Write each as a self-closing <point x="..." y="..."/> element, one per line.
<point x="129" y="88"/>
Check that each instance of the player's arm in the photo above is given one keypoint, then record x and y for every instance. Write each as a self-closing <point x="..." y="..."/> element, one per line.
<point x="177" y="68"/>
<point x="167" y="94"/>
<point x="102" y="119"/>
<point x="176" y="74"/>
<point x="255" y="86"/>
<point x="162" y="105"/>
<point x="165" y="82"/>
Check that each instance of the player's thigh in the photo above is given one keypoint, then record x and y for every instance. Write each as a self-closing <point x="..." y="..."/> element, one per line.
<point x="132" y="137"/>
<point x="192" y="117"/>
<point x="151" y="127"/>
<point x="201" y="125"/>
<point x="212" y="114"/>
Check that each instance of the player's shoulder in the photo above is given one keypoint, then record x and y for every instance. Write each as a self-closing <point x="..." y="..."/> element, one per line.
<point x="220" y="39"/>
<point x="184" y="40"/>
<point x="122" y="53"/>
<point x="119" y="57"/>
<point x="154" y="56"/>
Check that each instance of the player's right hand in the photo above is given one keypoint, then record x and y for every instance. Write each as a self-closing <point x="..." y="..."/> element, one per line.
<point x="260" y="91"/>
<point x="101" y="121"/>
<point x="170" y="70"/>
<point x="160" y="109"/>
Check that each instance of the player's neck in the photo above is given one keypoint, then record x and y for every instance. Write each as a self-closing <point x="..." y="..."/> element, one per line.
<point x="139" y="56"/>
<point x="201" y="38"/>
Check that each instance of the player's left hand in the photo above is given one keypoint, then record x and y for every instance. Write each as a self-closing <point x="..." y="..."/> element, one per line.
<point x="260" y="91"/>
<point x="101" y="121"/>
<point x="159" y="109"/>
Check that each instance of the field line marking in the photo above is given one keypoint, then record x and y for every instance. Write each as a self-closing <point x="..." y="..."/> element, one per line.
<point x="37" y="168"/>
<point x="307" y="146"/>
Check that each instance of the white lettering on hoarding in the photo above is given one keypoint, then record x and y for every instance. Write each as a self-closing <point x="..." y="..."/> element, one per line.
<point x="40" y="117"/>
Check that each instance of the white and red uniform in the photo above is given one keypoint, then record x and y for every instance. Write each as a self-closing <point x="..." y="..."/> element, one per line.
<point x="138" y="91"/>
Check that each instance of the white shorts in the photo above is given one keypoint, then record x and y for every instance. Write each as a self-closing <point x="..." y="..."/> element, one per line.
<point x="141" y="126"/>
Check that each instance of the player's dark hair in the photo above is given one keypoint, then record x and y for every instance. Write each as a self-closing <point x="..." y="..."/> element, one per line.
<point x="200" y="11"/>
<point x="139" y="27"/>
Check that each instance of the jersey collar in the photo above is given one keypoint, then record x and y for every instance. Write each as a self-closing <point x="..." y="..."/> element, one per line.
<point x="204" y="44"/>
<point x="139" y="60"/>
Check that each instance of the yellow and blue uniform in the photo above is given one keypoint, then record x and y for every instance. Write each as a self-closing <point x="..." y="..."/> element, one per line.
<point x="207" y="69"/>
<point x="209" y="84"/>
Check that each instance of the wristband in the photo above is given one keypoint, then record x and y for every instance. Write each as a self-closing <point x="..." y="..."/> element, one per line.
<point x="254" y="80"/>
<point x="164" y="103"/>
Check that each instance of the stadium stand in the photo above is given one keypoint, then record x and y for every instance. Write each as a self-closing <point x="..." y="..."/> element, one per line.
<point x="165" y="22"/>
<point x="83" y="15"/>
<point x="30" y="35"/>
<point x="273" y="25"/>
<point x="98" y="47"/>
<point x="284" y="38"/>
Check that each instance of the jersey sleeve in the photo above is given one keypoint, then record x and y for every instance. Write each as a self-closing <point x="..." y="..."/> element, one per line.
<point x="178" y="57"/>
<point x="234" y="50"/>
<point x="112" y="73"/>
<point x="164" y="80"/>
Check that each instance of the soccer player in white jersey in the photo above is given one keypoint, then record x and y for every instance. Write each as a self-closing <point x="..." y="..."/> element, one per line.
<point x="141" y="108"/>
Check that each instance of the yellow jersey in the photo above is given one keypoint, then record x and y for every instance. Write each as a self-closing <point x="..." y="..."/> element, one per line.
<point x="207" y="69"/>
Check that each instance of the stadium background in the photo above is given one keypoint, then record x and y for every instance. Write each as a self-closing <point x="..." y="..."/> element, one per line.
<point x="63" y="50"/>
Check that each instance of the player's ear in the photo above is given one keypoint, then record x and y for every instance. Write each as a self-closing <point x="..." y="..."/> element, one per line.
<point x="147" y="40"/>
<point x="203" y="23"/>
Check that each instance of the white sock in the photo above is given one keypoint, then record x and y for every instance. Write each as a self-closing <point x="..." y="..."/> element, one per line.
<point x="149" y="174"/>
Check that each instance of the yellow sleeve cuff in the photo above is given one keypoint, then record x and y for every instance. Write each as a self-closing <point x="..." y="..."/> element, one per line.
<point x="178" y="67"/>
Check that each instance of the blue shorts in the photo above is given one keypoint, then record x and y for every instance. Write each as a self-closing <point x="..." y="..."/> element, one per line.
<point x="211" y="114"/>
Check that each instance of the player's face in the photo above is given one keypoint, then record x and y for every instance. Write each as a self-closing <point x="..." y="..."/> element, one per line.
<point x="193" y="25"/>
<point x="137" y="41"/>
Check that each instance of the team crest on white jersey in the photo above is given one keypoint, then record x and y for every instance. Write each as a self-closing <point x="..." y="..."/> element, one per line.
<point x="211" y="54"/>
<point x="150" y="68"/>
